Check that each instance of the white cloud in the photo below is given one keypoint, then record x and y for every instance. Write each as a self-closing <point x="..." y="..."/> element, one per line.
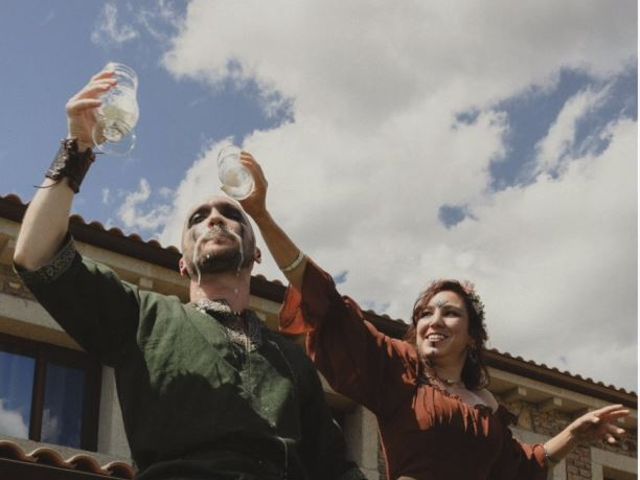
<point x="561" y="135"/>
<point x="131" y="214"/>
<point x="109" y="31"/>
<point x="165" y="192"/>
<point x="556" y="263"/>
<point x="373" y="150"/>
<point x="155" y="20"/>
<point x="51" y="425"/>
<point x="200" y="182"/>
<point x="106" y="196"/>
<point x="365" y="61"/>
<point x="11" y="423"/>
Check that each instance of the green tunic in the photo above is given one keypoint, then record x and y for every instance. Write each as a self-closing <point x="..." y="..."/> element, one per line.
<point x="195" y="404"/>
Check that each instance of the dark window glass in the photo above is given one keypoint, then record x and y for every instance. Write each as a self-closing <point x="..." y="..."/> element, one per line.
<point x="48" y="393"/>
<point x="63" y="405"/>
<point x="16" y="390"/>
<point x="615" y="474"/>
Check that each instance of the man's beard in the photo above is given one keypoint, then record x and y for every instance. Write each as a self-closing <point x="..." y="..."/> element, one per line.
<point x="229" y="260"/>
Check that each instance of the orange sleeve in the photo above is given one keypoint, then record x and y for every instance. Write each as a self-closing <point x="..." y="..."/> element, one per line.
<point x="357" y="360"/>
<point x="518" y="460"/>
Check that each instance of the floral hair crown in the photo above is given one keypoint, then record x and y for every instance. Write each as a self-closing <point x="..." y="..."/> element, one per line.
<point x="470" y="291"/>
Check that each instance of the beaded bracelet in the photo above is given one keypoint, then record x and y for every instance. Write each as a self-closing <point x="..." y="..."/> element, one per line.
<point x="550" y="461"/>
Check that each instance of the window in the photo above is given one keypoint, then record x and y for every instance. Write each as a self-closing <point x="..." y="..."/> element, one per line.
<point x="48" y="393"/>
<point x="615" y="474"/>
<point x="16" y="385"/>
<point x="608" y="465"/>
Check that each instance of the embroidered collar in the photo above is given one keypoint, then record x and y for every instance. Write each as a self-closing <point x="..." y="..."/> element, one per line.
<point x="243" y="329"/>
<point x="206" y="305"/>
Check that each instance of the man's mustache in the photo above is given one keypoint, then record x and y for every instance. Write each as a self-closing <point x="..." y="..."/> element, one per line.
<point x="213" y="232"/>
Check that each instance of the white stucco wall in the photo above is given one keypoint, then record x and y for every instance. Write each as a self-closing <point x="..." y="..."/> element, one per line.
<point x="361" y="435"/>
<point x="112" y="439"/>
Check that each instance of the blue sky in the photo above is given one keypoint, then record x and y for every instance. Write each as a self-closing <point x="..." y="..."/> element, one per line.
<point x="496" y="143"/>
<point x="530" y="115"/>
<point x="52" y="63"/>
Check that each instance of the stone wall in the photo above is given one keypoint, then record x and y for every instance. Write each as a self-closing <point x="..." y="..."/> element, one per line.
<point x="578" y="462"/>
<point x="11" y="284"/>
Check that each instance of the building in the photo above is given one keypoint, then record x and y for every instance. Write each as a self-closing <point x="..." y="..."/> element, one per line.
<point x="59" y="416"/>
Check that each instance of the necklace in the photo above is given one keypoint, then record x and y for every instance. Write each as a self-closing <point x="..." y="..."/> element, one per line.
<point x="444" y="381"/>
<point x="451" y="383"/>
<point x="429" y="375"/>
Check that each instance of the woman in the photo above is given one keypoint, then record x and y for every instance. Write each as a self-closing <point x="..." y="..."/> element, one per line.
<point x="436" y="418"/>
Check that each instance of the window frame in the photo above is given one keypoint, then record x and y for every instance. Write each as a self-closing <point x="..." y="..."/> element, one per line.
<point x="611" y="464"/>
<point x="45" y="353"/>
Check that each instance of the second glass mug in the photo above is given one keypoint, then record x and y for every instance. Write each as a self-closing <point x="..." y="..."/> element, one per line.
<point x="118" y="115"/>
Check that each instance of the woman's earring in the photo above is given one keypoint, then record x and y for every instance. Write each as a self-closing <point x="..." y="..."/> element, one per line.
<point x="472" y="353"/>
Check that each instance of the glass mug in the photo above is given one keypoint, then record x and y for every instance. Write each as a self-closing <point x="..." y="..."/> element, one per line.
<point x="237" y="181"/>
<point x="118" y="115"/>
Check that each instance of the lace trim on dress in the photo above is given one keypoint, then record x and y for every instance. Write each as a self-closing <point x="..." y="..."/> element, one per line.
<point x="54" y="269"/>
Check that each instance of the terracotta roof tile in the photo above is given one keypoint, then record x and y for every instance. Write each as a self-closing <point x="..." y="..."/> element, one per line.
<point x="46" y="456"/>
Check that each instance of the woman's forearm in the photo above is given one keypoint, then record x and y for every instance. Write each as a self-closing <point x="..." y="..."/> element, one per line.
<point x="282" y="249"/>
<point x="559" y="446"/>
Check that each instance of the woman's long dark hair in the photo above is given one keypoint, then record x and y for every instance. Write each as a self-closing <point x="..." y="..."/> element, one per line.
<point x="474" y="372"/>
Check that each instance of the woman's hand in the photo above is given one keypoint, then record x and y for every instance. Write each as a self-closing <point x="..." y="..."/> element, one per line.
<point x="596" y="425"/>
<point x="81" y="115"/>
<point x="285" y="253"/>
<point x="256" y="203"/>
<point x="599" y="424"/>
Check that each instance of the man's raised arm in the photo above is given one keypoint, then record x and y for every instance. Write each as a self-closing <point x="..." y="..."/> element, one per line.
<point x="46" y="220"/>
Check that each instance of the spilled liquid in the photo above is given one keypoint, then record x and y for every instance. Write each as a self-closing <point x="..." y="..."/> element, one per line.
<point x="208" y="235"/>
<point x="240" y="248"/>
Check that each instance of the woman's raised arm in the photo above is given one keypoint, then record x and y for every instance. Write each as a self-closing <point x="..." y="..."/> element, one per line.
<point x="290" y="259"/>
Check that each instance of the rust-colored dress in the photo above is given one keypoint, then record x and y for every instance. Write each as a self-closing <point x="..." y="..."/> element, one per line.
<point x="427" y="433"/>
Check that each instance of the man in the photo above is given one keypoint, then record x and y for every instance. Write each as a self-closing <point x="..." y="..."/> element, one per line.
<point x="207" y="392"/>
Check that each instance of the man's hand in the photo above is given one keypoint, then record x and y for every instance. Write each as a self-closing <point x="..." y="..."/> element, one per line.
<point x="256" y="203"/>
<point x="81" y="115"/>
<point x="46" y="220"/>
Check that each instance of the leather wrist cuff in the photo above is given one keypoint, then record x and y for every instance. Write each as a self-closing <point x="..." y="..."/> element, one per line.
<point x="71" y="163"/>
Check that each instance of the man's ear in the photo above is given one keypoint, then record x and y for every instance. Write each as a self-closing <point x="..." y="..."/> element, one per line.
<point x="257" y="256"/>
<point x="182" y="265"/>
